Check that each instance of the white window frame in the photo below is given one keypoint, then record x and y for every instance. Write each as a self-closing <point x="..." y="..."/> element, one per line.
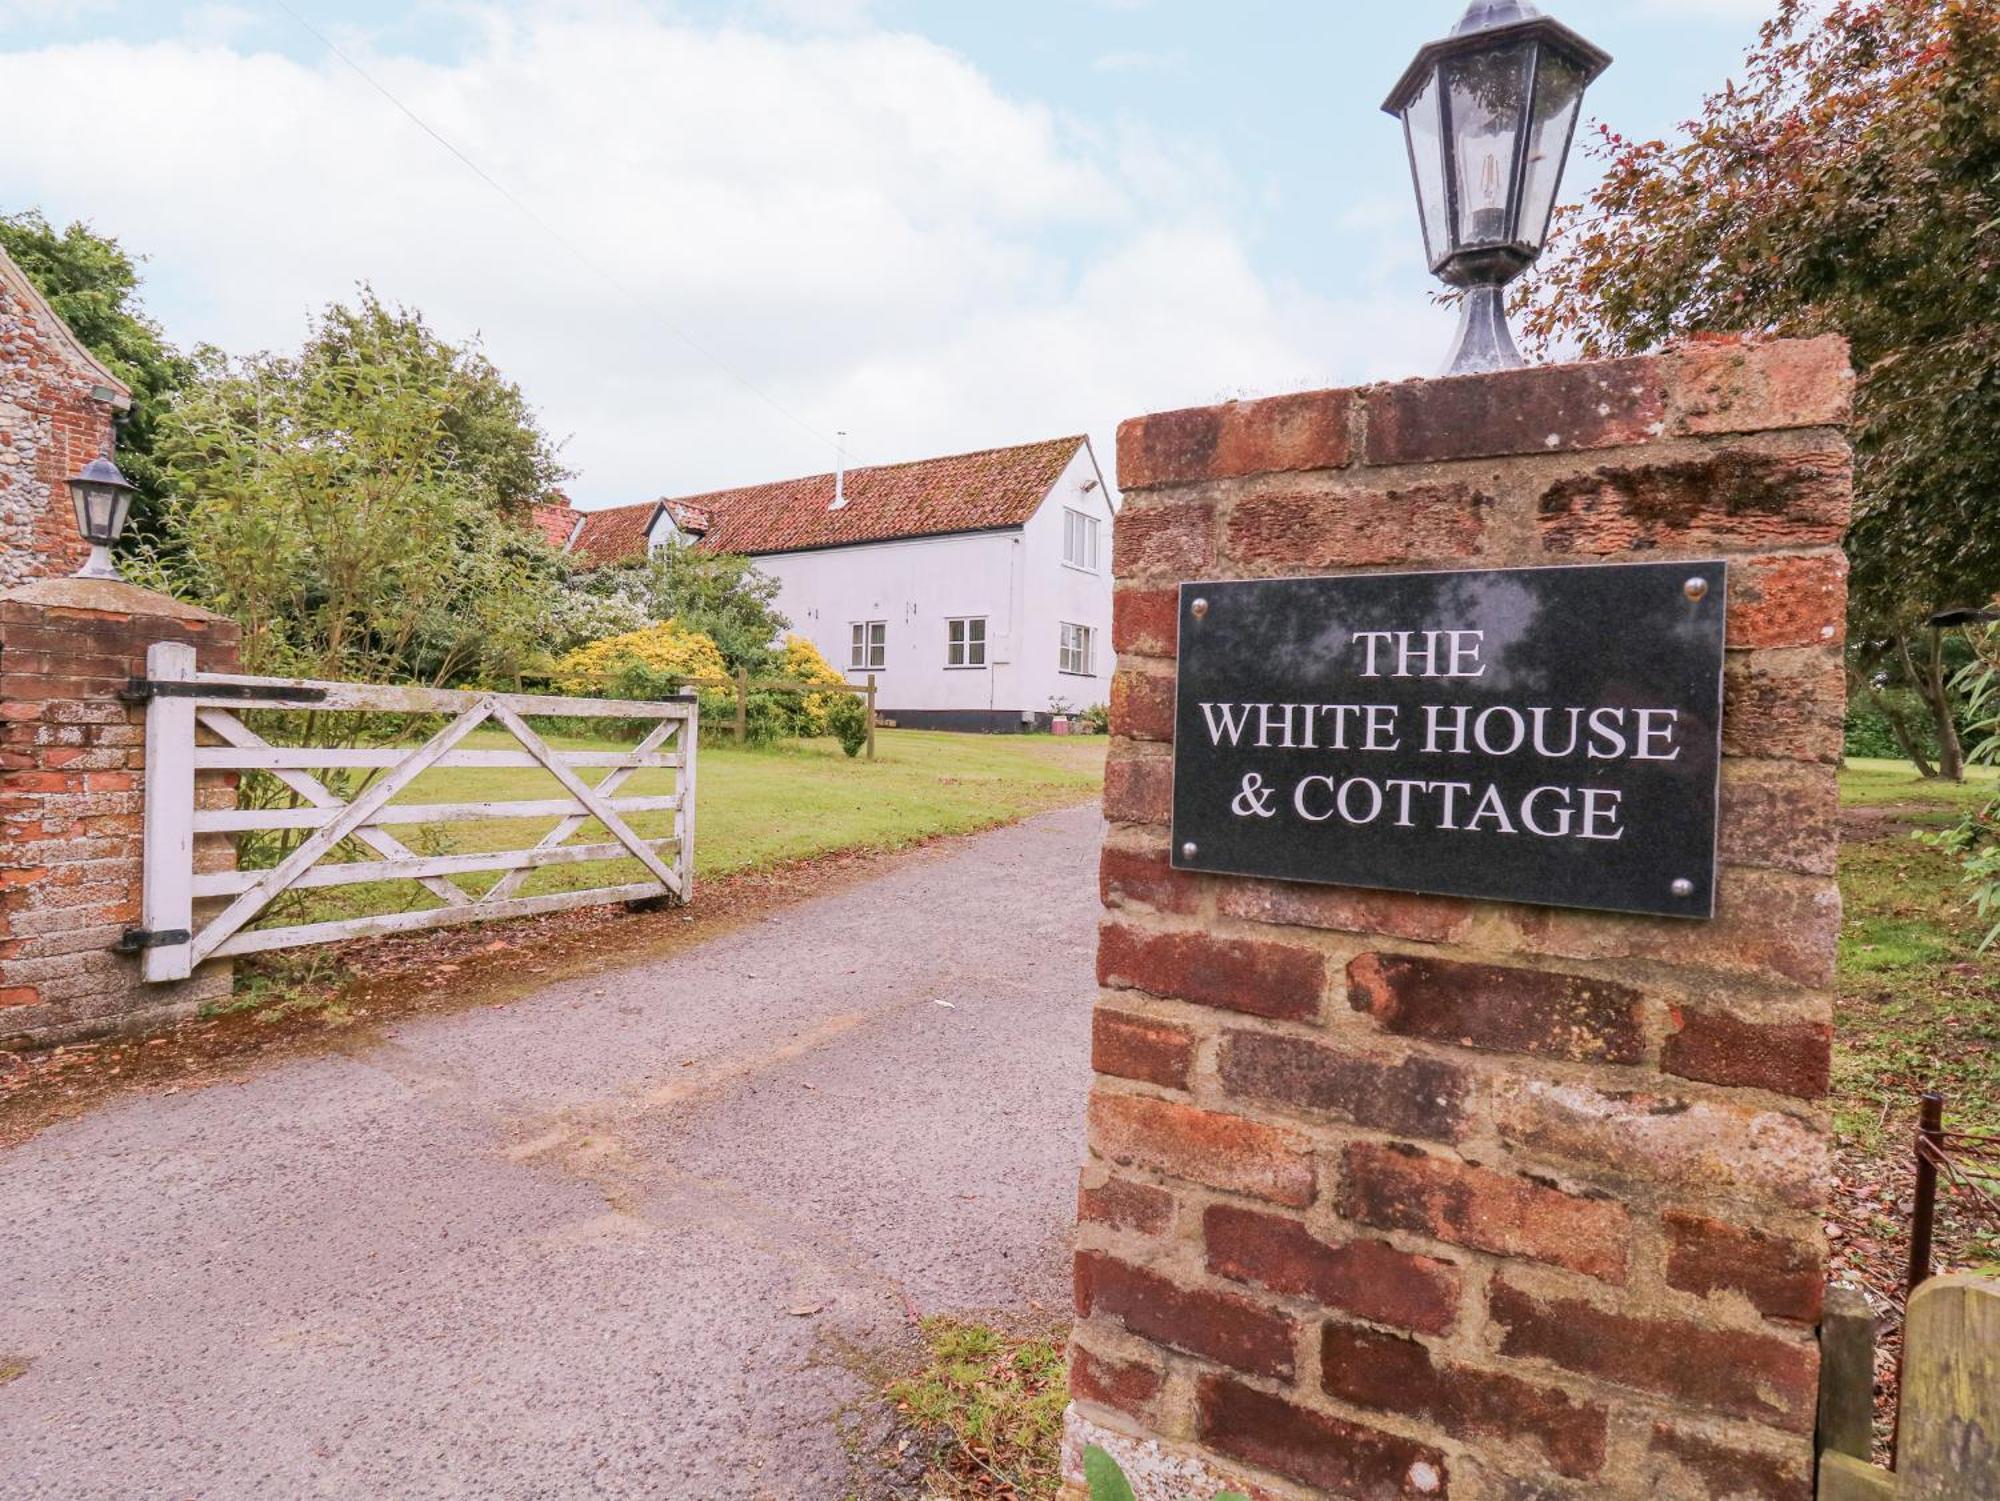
<point x="1084" y="530"/>
<point x="1076" y="650"/>
<point x="964" y="648"/>
<point x="868" y="646"/>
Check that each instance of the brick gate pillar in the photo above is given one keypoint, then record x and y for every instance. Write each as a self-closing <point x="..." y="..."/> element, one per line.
<point x="72" y="805"/>
<point x="1392" y="1195"/>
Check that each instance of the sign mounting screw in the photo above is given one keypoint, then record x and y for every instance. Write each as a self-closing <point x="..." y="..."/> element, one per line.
<point x="1683" y="888"/>
<point x="1696" y="589"/>
<point x="1189" y="850"/>
<point x="1198" y="609"/>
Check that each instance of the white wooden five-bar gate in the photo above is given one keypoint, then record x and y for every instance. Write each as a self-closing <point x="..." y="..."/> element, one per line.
<point x="181" y="701"/>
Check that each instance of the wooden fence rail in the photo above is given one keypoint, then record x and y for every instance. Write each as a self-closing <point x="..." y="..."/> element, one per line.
<point x="743" y="685"/>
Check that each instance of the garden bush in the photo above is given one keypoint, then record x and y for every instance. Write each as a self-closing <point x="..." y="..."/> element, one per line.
<point x="666" y="655"/>
<point x="811" y="713"/>
<point x="848" y="719"/>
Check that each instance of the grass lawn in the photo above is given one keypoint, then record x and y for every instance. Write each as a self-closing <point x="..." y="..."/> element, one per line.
<point x="1917" y="1008"/>
<point x="754" y="808"/>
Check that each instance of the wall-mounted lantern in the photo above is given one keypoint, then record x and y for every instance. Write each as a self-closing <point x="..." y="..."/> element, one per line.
<point x="1489" y="113"/>
<point x="103" y="499"/>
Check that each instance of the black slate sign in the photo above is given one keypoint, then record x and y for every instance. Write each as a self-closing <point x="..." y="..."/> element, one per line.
<point x="1545" y="735"/>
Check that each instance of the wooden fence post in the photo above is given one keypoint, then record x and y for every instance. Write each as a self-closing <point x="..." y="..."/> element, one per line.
<point x="1847" y="1374"/>
<point x="166" y="902"/>
<point x="1951" y="1392"/>
<point x="871" y="716"/>
<point x="742" y="706"/>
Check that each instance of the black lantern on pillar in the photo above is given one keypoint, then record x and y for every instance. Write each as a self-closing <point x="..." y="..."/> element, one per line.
<point x="103" y="499"/>
<point x="1489" y="113"/>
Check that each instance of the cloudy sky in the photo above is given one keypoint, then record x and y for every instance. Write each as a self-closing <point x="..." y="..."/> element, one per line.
<point x="705" y="235"/>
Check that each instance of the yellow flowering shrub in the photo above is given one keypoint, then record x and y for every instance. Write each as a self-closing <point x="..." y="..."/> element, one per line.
<point x="667" y="649"/>
<point x="802" y="663"/>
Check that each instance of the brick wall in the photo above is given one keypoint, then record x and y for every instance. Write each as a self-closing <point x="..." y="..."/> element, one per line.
<point x="1402" y="1196"/>
<point x="56" y="409"/>
<point x="72" y="778"/>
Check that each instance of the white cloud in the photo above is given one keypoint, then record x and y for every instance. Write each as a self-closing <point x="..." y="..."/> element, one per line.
<point x="859" y="224"/>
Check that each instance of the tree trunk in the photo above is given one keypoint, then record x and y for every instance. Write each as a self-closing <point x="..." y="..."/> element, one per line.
<point x="1899" y="727"/>
<point x="1935" y="690"/>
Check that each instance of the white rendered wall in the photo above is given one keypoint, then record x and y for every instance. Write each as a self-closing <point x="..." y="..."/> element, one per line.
<point x="1015" y="579"/>
<point x="1057" y="592"/>
<point x="913" y="587"/>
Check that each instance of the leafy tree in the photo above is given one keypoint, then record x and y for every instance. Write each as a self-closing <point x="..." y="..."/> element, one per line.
<point x="93" y="283"/>
<point x="321" y="500"/>
<point x="490" y="436"/>
<point x="722" y="595"/>
<point x="1976" y="840"/>
<point x="1848" y="183"/>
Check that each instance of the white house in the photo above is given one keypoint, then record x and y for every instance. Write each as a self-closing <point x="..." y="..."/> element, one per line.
<point x="977" y="588"/>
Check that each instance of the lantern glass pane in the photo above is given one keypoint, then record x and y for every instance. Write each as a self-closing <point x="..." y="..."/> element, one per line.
<point x="1559" y="85"/>
<point x="121" y="507"/>
<point x="76" y="498"/>
<point x="1423" y="129"/>
<point x="1487" y="94"/>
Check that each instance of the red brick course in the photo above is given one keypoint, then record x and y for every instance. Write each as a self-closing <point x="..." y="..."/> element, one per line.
<point x="1392" y="1374"/>
<point x="1781" y="1278"/>
<point x="1129" y="1386"/>
<point x="1146" y="622"/>
<point x="1120" y="1204"/>
<point x="1275" y="435"/>
<point x="1203" y="1146"/>
<point x="1368" y="1278"/>
<point x="1422" y="1097"/>
<point x="1508" y="1214"/>
<point x="1236" y="974"/>
<point x="1297" y="530"/>
<point x="1222" y="1327"/>
<point x="1765" y="1378"/>
<point x="1727" y="1473"/>
<point x="1137" y="1047"/>
<point x="1794" y="1058"/>
<point x="1507" y="1009"/>
<point x="1142" y="705"/>
<point x="1338" y="1457"/>
<point x="1342" y="909"/>
<point x="1127" y="878"/>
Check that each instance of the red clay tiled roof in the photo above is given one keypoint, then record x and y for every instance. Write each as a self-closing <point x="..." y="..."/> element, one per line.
<point x="616" y="535"/>
<point x="997" y="487"/>
<point x="963" y="493"/>
<point x="555" y="520"/>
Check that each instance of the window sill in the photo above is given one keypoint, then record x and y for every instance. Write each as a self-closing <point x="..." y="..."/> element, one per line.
<point x="1079" y="568"/>
<point x="1066" y="673"/>
<point x="974" y="667"/>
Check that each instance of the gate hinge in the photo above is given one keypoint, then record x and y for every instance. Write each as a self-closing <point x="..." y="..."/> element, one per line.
<point x="132" y="940"/>
<point x="145" y="690"/>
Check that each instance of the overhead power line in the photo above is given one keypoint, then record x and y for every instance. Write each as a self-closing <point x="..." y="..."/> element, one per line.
<point x="581" y="256"/>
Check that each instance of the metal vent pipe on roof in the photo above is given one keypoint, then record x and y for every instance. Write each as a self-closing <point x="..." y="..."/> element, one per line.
<point x="839" y="470"/>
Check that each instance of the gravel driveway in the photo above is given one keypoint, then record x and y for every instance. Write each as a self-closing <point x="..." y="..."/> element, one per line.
<point x="639" y="1234"/>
